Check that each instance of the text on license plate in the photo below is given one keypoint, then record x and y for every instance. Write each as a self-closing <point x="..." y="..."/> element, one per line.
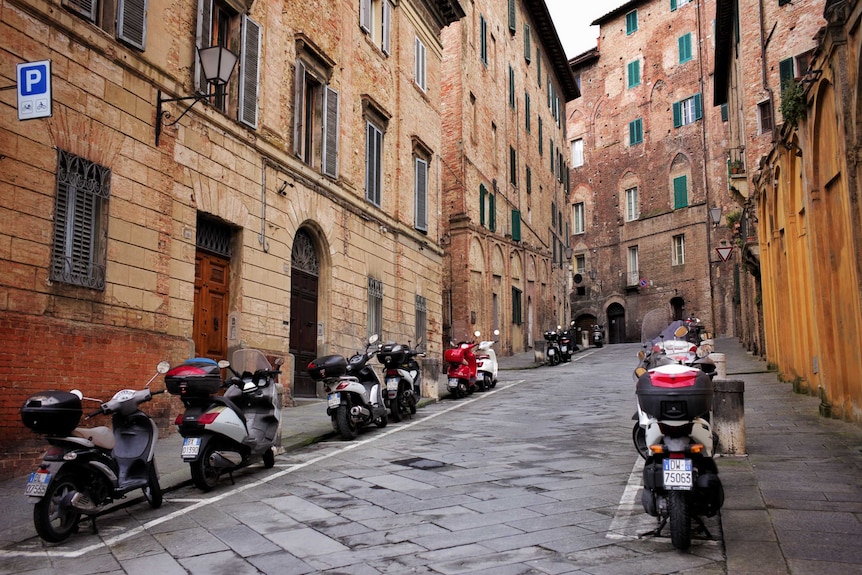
<point x="334" y="399"/>
<point x="677" y="474"/>
<point x="392" y="383"/>
<point x="453" y="382"/>
<point x="191" y="446"/>
<point x="37" y="484"/>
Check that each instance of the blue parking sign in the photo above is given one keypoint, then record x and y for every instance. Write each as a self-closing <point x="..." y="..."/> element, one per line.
<point x="34" y="90"/>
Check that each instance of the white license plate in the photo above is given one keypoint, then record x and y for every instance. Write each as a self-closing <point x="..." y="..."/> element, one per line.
<point x="563" y="349"/>
<point x="392" y="384"/>
<point x="37" y="484"/>
<point x="677" y="474"/>
<point x="191" y="447"/>
<point x="550" y="352"/>
<point x="334" y="399"/>
<point x="453" y="382"/>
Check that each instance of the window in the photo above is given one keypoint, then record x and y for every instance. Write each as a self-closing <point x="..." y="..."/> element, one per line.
<point x="636" y="132"/>
<point x="512" y="21"/>
<point x="577" y="153"/>
<point x="421" y="319"/>
<point x="375" y="307"/>
<point x="487" y="209"/>
<point x="511" y="87"/>
<point x="516" y="225"/>
<point x="578" y="220"/>
<point x="634" y="73"/>
<point x="581" y="264"/>
<point x="513" y="166"/>
<point x="421" y="193"/>
<point x="517" y="306"/>
<point x="538" y="68"/>
<point x="474" y="116"/>
<point x="631" y="22"/>
<point x="420" y="65"/>
<point x="529" y="180"/>
<point x="373" y="163"/>
<point x="527" y="111"/>
<point x="680" y="192"/>
<point x="527" y="44"/>
<point x="126" y="19"/>
<point x="632" y="272"/>
<point x="764" y="116"/>
<point x="786" y="72"/>
<point x="551" y="152"/>
<point x="79" y="250"/>
<point x="220" y="25"/>
<point x="685" y="48"/>
<point x="483" y="40"/>
<point x="724" y="115"/>
<point x="375" y="19"/>
<point x="315" y="115"/>
<point x="540" y="135"/>
<point x="632" y="209"/>
<point x="674" y="4"/>
<point x="678" y="257"/>
<point x="687" y="111"/>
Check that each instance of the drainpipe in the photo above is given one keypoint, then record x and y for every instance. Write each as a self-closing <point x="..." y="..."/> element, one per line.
<point x="764" y="42"/>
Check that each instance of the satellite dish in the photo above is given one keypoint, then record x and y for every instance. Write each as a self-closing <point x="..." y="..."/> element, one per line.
<point x="578" y="278"/>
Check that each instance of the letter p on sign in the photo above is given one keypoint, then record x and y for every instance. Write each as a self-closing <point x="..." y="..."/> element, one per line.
<point x="34" y="90"/>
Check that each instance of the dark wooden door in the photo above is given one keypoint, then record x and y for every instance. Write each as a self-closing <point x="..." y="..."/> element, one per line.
<point x="303" y="329"/>
<point x="616" y="328"/>
<point x="210" y="306"/>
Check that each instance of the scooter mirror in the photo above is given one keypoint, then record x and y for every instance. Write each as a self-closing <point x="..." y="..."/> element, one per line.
<point x="496" y="332"/>
<point x="373" y="338"/>
<point x="641" y="355"/>
<point x="559" y="327"/>
<point x="477" y="333"/>
<point x="163" y="367"/>
<point x="224" y="364"/>
<point x="77" y="392"/>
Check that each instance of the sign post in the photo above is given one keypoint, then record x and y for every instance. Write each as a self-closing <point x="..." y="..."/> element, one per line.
<point x="34" y="90"/>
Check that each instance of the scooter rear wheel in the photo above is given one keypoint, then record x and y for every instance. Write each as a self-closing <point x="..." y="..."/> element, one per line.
<point x="345" y="425"/>
<point x="395" y="408"/>
<point x="153" y="491"/>
<point x="53" y="519"/>
<point x="204" y="475"/>
<point x="489" y="381"/>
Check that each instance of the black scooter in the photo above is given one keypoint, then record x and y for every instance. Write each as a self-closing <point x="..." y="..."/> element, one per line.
<point x="86" y="469"/>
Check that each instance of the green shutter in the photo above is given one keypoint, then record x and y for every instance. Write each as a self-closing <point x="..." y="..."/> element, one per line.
<point x="512" y="16"/>
<point x="631" y="22"/>
<point x="527" y="44"/>
<point x="540" y="135"/>
<point x="516" y="226"/>
<point x="685" y="48"/>
<point x="527" y="111"/>
<point x="492" y="213"/>
<point x="785" y="72"/>
<point x="672" y="5"/>
<point x="511" y="87"/>
<point x="680" y="192"/>
<point x="483" y="39"/>
<point x="698" y="107"/>
<point x="634" y="73"/>
<point x="724" y="114"/>
<point x="636" y="133"/>
<point x="677" y="114"/>
<point x="482" y="193"/>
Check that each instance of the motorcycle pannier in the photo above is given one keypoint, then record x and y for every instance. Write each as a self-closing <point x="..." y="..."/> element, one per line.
<point x="681" y="393"/>
<point x="327" y="366"/>
<point x="195" y="377"/>
<point x="52" y="412"/>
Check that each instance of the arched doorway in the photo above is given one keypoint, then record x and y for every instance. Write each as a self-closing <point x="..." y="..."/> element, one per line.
<point x="616" y="327"/>
<point x="304" y="275"/>
<point x="677" y="304"/>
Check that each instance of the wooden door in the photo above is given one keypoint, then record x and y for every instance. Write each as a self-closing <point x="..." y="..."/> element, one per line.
<point x="303" y="329"/>
<point x="212" y="275"/>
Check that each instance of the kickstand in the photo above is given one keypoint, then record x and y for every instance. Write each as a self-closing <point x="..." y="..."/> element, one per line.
<point x="230" y="474"/>
<point x="657" y="531"/>
<point x="703" y="527"/>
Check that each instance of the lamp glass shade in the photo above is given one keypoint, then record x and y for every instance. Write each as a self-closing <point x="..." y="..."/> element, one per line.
<point x="218" y="63"/>
<point x="715" y="214"/>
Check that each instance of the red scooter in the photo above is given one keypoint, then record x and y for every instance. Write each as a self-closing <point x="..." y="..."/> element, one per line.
<point x="462" y="367"/>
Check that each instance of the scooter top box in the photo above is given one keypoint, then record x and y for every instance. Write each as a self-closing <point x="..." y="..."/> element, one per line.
<point x="454" y="355"/>
<point x="327" y="366"/>
<point x="196" y="377"/>
<point x="52" y="412"/>
<point x="392" y="354"/>
<point x="675" y="392"/>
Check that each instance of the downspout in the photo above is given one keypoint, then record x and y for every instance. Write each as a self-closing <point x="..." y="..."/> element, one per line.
<point x="764" y="42"/>
<point x="262" y="236"/>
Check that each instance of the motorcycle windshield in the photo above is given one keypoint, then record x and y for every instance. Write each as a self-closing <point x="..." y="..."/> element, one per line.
<point x="249" y="360"/>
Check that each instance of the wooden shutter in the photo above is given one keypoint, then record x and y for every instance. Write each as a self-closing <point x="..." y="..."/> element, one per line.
<point x="512" y="22"/>
<point x="680" y="192"/>
<point x="298" y="110"/>
<point x="330" y="133"/>
<point x="421" y="185"/>
<point x="527" y="43"/>
<point x="516" y="226"/>
<point x="386" y="30"/>
<point x="365" y="15"/>
<point x="698" y="107"/>
<point x="677" y="114"/>
<point x="672" y="5"/>
<point x="132" y="22"/>
<point x="483" y="40"/>
<point x="785" y="72"/>
<point x="249" y="72"/>
<point x="492" y="213"/>
<point x="482" y="193"/>
<point x="202" y="40"/>
<point x="86" y="8"/>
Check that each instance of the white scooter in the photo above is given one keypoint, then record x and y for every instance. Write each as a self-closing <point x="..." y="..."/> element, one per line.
<point x="224" y="433"/>
<point x="486" y="364"/>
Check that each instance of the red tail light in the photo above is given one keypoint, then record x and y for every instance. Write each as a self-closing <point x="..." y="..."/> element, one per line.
<point x="179" y="420"/>
<point x="208" y="417"/>
<point x="392" y="372"/>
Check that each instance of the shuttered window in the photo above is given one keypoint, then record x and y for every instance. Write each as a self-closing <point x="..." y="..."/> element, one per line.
<point x="419" y="65"/>
<point x="373" y="164"/>
<point x="249" y="72"/>
<point x="330" y="133"/>
<point x="512" y="21"/>
<point x="687" y="111"/>
<point x="636" y="132"/>
<point x="315" y="117"/>
<point x="680" y="192"/>
<point x="527" y="44"/>
<point x="483" y="40"/>
<point x="132" y="22"/>
<point x="421" y="194"/>
<point x="634" y="73"/>
<point x="631" y="22"/>
<point x="516" y="225"/>
<point x="685" y="48"/>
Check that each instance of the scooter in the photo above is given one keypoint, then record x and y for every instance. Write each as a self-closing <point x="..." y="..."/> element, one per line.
<point x="354" y="394"/>
<point x="680" y="477"/>
<point x="87" y="469"/>
<point x="598" y="336"/>
<point x="402" y="375"/>
<point x="224" y="433"/>
<point x="552" y="347"/>
<point x="462" y="367"/>
<point x="486" y="364"/>
<point x="567" y="342"/>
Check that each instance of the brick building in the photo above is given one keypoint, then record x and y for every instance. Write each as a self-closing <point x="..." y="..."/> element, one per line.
<point x="504" y="174"/>
<point x="645" y="170"/>
<point x="294" y="209"/>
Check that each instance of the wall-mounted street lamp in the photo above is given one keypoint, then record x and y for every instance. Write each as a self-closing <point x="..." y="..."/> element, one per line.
<point x="217" y="63"/>
<point x="715" y="215"/>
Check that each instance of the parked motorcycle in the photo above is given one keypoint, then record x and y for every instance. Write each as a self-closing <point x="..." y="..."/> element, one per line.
<point x="354" y="393"/>
<point x="403" y="377"/>
<point x="568" y="345"/>
<point x="224" y="433"/>
<point x="552" y="347"/>
<point x="598" y="335"/>
<point x="87" y="469"/>
<point x="462" y="367"/>
<point x="486" y="364"/>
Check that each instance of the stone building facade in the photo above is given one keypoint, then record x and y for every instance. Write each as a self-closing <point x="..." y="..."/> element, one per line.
<point x="505" y="174"/>
<point x="295" y="209"/>
<point x="645" y="172"/>
<point x="804" y="197"/>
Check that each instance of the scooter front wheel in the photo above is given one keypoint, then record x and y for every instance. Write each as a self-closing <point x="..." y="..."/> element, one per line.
<point x="395" y="408"/>
<point x="153" y="491"/>
<point x="204" y="474"/>
<point x="53" y="518"/>
<point x="680" y="519"/>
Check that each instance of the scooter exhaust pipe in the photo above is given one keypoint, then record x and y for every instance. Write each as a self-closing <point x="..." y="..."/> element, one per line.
<point x="225" y="459"/>
<point x="359" y="411"/>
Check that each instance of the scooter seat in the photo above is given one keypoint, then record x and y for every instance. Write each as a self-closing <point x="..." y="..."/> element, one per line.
<point x="101" y="436"/>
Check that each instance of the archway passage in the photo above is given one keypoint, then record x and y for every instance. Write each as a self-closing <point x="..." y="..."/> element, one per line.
<point x="304" y="274"/>
<point x="616" y="328"/>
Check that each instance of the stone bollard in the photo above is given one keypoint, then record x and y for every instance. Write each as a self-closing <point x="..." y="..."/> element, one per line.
<point x="729" y="416"/>
<point x="720" y="365"/>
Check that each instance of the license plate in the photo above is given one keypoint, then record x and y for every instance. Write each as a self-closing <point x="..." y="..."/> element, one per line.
<point x="334" y="399"/>
<point x="37" y="484"/>
<point x="453" y="382"/>
<point x="677" y="474"/>
<point x="392" y="384"/>
<point x="191" y="446"/>
<point x="550" y="352"/>
<point x="563" y="349"/>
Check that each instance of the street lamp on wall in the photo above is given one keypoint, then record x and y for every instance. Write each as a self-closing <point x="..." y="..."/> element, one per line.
<point x="217" y="63"/>
<point x="715" y="215"/>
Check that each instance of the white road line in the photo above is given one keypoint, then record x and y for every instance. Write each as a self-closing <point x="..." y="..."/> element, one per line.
<point x="621" y="526"/>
